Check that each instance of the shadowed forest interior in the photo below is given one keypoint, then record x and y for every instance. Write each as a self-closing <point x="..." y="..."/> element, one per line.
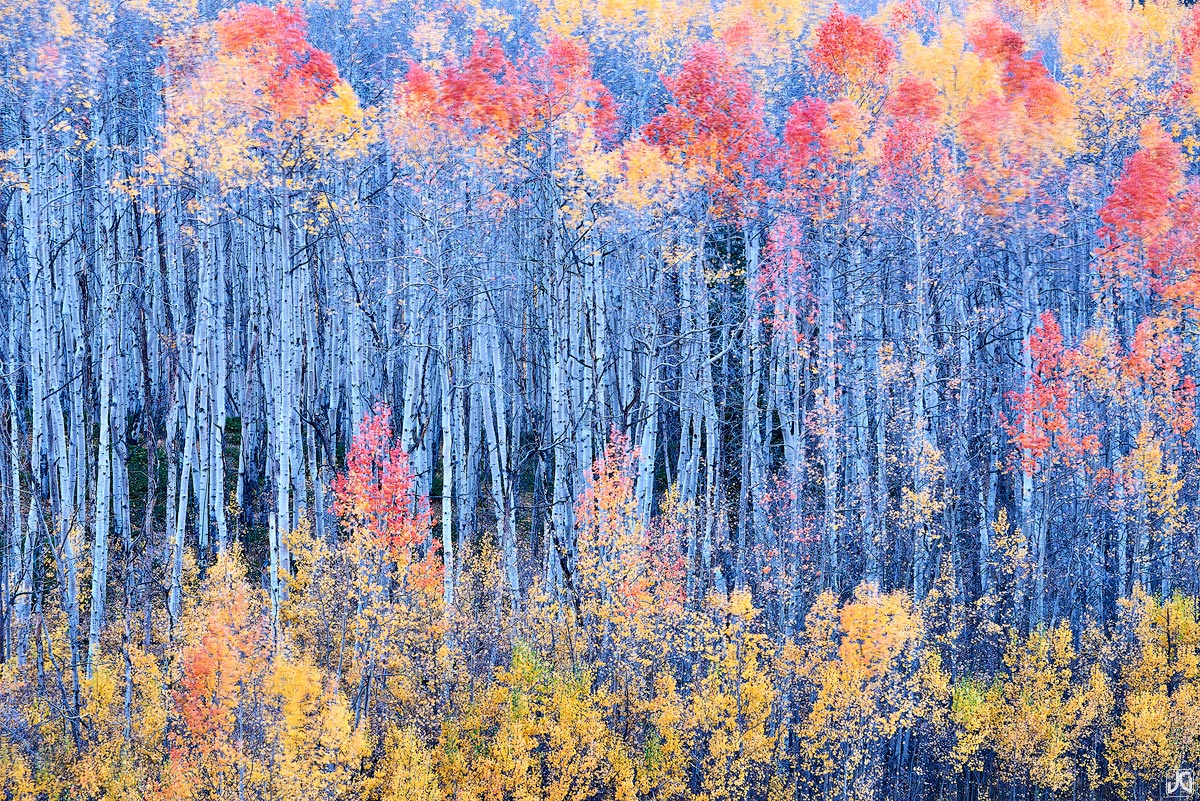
<point x="720" y="400"/>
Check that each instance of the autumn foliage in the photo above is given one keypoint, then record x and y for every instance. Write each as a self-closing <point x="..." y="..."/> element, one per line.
<point x="375" y="497"/>
<point x="713" y="128"/>
<point x="295" y="75"/>
<point x="854" y="54"/>
<point x="633" y="400"/>
<point x="1047" y="425"/>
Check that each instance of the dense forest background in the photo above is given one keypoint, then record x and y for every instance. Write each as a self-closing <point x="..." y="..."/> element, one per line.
<point x="656" y="399"/>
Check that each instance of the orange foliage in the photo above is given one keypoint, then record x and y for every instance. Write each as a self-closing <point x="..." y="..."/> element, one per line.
<point x="1155" y="363"/>
<point x="635" y="570"/>
<point x="1014" y="139"/>
<point x="714" y="129"/>
<point x="1048" y="424"/>
<point x="853" y="54"/>
<point x="1151" y="230"/>
<point x="1059" y="411"/>
<point x="376" y="495"/>
<point x="223" y="664"/>
<point x="296" y="75"/>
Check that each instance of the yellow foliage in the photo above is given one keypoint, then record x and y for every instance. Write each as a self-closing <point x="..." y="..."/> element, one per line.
<point x="1152" y="477"/>
<point x="1159" y="728"/>
<point x="1116" y="50"/>
<point x="346" y="616"/>
<point x="662" y="771"/>
<point x="315" y="745"/>
<point x="960" y="75"/>
<point x="62" y="21"/>
<point x="661" y="30"/>
<point x="16" y="774"/>
<point x="220" y="131"/>
<point x="537" y="733"/>
<point x="1035" y="719"/>
<point x="734" y="701"/>
<point x="861" y="664"/>
<point x="407" y="772"/>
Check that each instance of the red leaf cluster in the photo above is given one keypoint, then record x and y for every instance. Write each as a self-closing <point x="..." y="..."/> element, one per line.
<point x="297" y="75"/>
<point x="807" y="120"/>
<point x="851" y="52"/>
<point x="993" y="39"/>
<point x="714" y="126"/>
<point x="376" y="494"/>
<point x="1141" y="201"/>
<point x="1047" y="423"/>
<point x="914" y="110"/>
<point x="484" y="90"/>
<point x="1151" y="232"/>
<point x="563" y="83"/>
<point x="490" y="96"/>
